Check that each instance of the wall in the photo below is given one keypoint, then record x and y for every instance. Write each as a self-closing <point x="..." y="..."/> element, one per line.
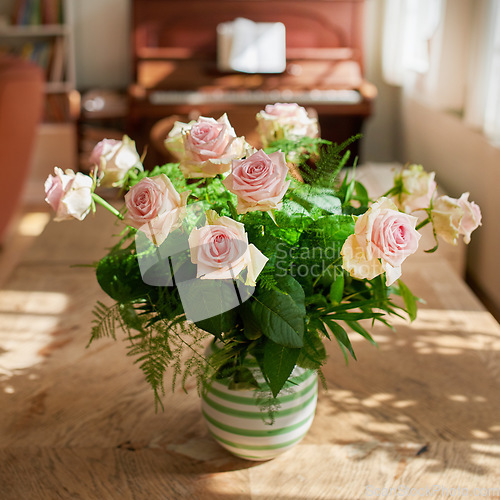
<point x="463" y="161"/>
<point x="102" y="43"/>
<point x="381" y="134"/>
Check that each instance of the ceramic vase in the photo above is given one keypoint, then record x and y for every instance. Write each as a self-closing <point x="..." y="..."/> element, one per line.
<point x="238" y="420"/>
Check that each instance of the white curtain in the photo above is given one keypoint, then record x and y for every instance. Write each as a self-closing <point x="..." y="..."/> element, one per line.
<point x="446" y="53"/>
<point x="409" y="27"/>
<point x="482" y="108"/>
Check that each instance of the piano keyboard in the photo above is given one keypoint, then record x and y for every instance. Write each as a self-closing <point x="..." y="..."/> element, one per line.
<point x="166" y="97"/>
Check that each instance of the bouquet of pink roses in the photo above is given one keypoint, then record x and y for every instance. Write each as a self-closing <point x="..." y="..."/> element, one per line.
<point x="265" y="250"/>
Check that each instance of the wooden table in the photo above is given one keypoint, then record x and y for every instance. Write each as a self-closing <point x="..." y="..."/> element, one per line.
<point x="421" y="410"/>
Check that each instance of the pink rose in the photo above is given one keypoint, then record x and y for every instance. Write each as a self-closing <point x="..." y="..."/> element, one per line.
<point x="69" y="194"/>
<point x="154" y="206"/>
<point x="383" y="238"/>
<point x="114" y="159"/>
<point x="285" y="121"/>
<point x="220" y="250"/>
<point x="451" y="217"/>
<point x="205" y="147"/>
<point x="418" y="188"/>
<point x="259" y="181"/>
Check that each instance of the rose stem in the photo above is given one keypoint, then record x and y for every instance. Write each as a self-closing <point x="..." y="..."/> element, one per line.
<point x="105" y="204"/>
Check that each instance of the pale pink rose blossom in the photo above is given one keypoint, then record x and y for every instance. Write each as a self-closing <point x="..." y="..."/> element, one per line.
<point x="471" y="219"/>
<point x="451" y="218"/>
<point x="205" y="147"/>
<point x="114" y="159"/>
<point x="155" y="207"/>
<point x="382" y="240"/>
<point x="258" y="181"/>
<point x="220" y="250"/>
<point x="285" y="121"/>
<point x="418" y="187"/>
<point x="446" y="215"/>
<point x="69" y="194"/>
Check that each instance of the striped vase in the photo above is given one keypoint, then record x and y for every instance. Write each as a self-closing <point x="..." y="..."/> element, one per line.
<point x="236" y="420"/>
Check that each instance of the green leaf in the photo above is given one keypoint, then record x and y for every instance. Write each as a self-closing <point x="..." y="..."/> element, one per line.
<point x="119" y="276"/>
<point x="219" y="323"/>
<point x="361" y="194"/>
<point x="313" y="354"/>
<point x="130" y="317"/>
<point x="281" y="314"/>
<point x="409" y="299"/>
<point x="312" y="198"/>
<point x="328" y="231"/>
<point x="232" y="210"/>
<point x="337" y="289"/>
<point x="349" y="191"/>
<point x="243" y="379"/>
<point x="279" y="362"/>
<point x="340" y="334"/>
<point x="210" y="304"/>
<point x="362" y="331"/>
<point x="251" y="327"/>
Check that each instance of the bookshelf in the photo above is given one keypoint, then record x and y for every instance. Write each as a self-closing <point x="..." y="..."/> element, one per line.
<point x="42" y="32"/>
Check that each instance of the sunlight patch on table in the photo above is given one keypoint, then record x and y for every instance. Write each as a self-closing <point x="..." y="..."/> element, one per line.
<point x="27" y="323"/>
<point x="33" y="223"/>
<point x="28" y="302"/>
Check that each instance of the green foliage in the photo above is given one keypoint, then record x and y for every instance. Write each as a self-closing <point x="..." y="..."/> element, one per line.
<point x="303" y="298"/>
<point x="319" y="161"/>
<point x="119" y="276"/>
<point x="409" y="299"/>
<point x="155" y="344"/>
<point x="278" y="364"/>
<point x="281" y="313"/>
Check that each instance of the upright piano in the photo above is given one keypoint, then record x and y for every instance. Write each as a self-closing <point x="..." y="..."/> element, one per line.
<point x="175" y="72"/>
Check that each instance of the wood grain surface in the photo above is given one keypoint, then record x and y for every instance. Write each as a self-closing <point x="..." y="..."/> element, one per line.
<point x="421" y="410"/>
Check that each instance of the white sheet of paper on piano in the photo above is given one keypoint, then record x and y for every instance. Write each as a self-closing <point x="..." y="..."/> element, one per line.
<point x="249" y="47"/>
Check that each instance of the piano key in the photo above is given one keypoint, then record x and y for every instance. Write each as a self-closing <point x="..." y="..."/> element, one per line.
<point x="166" y="97"/>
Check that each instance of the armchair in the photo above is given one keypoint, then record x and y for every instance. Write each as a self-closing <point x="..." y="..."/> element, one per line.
<point x="21" y="102"/>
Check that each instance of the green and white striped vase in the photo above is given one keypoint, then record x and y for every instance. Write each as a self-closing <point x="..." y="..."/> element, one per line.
<point x="236" y="420"/>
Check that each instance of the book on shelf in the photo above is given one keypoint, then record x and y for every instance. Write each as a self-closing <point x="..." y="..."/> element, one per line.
<point x="52" y="11"/>
<point x="48" y="54"/>
<point x="56" y="108"/>
<point x="35" y="12"/>
<point x="56" y="64"/>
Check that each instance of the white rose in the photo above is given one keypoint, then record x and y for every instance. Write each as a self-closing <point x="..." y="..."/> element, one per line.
<point x="446" y="215"/>
<point x="114" y="159"/>
<point x="452" y="218"/>
<point x="69" y="194"/>
<point x="285" y="121"/>
<point x="418" y="187"/>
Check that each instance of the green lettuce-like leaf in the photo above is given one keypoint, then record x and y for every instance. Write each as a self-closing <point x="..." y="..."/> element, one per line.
<point x="119" y="276"/>
<point x="316" y="200"/>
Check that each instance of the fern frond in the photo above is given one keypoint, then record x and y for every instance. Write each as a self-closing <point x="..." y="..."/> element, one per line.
<point x="267" y="279"/>
<point x="105" y="321"/>
<point x="333" y="157"/>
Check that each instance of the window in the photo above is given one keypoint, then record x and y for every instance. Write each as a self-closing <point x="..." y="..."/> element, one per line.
<point x="446" y="53"/>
